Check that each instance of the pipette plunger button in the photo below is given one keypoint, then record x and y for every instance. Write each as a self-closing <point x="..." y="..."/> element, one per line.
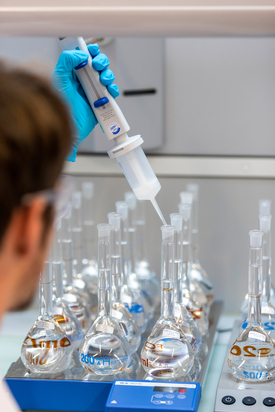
<point x="81" y="65"/>
<point x="228" y="400"/>
<point x="249" y="401"/>
<point x="269" y="402"/>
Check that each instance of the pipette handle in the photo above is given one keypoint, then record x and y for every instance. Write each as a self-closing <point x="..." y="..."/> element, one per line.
<point x="105" y="108"/>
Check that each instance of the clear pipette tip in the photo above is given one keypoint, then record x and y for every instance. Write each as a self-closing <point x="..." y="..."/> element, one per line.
<point x="156" y="206"/>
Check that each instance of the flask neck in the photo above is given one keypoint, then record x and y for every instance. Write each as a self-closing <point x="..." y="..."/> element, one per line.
<point x="104" y="292"/>
<point x="141" y="232"/>
<point x="254" y="310"/>
<point x="67" y="251"/>
<point x="167" y="274"/>
<point x="186" y="253"/>
<point x="45" y="291"/>
<point x="195" y="228"/>
<point x="116" y="264"/>
<point x="254" y="285"/>
<point x="266" y="270"/>
<point x="178" y="266"/>
<point x="104" y="276"/>
<point x="125" y="251"/>
<point x="77" y="237"/>
<point x="167" y="298"/>
<point x="58" y="278"/>
<point x="57" y="262"/>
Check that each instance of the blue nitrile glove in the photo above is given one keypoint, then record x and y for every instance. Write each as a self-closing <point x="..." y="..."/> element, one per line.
<point x="66" y="81"/>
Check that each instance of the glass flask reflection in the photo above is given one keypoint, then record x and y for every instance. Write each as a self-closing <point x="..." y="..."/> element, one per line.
<point x="252" y="356"/>
<point x="105" y="349"/>
<point x="119" y="311"/>
<point x="46" y="348"/>
<point x="182" y="316"/>
<point x="129" y="297"/>
<point x="167" y="353"/>
<point x="190" y="299"/>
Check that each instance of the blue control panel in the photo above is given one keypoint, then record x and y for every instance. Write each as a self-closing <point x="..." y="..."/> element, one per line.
<point x="151" y="395"/>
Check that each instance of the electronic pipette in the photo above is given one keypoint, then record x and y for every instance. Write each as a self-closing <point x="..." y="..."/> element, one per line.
<point x="127" y="150"/>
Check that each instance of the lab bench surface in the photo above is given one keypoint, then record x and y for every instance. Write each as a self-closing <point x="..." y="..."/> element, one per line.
<point x="16" y="324"/>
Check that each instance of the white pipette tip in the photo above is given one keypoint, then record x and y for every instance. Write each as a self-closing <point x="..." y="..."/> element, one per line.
<point x="122" y="208"/>
<point x="104" y="229"/>
<point x="131" y="200"/>
<point x="87" y="190"/>
<point x="156" y="206"/>
<point x="168" y="233"/>
<point x="185" y="211"/>
<point x="186" y="198"/>
<point x="264" y="206"/>
<point x="114" y="220"/>
<point x="265" y="222"/>
<point x="176" y="220"/>
<point x="256" y="238"/>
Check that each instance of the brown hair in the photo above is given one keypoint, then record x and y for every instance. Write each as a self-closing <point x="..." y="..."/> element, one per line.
<point x="35" y="137"/>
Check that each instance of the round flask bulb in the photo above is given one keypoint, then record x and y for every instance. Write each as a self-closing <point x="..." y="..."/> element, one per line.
<point x="251" y="358"/>
<point x="46" y="349"/>
<point x="105" y="350"/>
<point x="167" y="353"/>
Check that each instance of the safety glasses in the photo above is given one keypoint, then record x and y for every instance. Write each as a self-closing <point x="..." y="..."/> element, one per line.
<point x="59" y="197"/>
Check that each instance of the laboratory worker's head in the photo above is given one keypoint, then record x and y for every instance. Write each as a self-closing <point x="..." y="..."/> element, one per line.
<point x="35" y="137"/>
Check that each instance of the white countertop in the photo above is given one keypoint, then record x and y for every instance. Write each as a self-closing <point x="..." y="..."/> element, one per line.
<point x="15" y="326"/>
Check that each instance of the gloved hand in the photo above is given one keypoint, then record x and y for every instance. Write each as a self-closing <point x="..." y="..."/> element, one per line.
<point x="66" y="81"/>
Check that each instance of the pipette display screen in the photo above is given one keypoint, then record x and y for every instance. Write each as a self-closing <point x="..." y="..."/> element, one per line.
<point x="169" y="389"/>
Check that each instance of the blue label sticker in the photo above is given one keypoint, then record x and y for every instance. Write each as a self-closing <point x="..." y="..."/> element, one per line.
<point x="114" y="128"/>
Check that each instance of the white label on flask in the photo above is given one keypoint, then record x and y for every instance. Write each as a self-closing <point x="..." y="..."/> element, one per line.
<point x="105" y="328"/>
<point x="177" y="313"/>
<point x="256" y="335"/>
<point x="58" y="311"/>
<point x="43" y="324"/>
<point x="69" y="298"/>
<point x="267" y="310"/>
<point x="116" y="314"/>
<point x="171" y="333"/>
<point x="127" y="299"/>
